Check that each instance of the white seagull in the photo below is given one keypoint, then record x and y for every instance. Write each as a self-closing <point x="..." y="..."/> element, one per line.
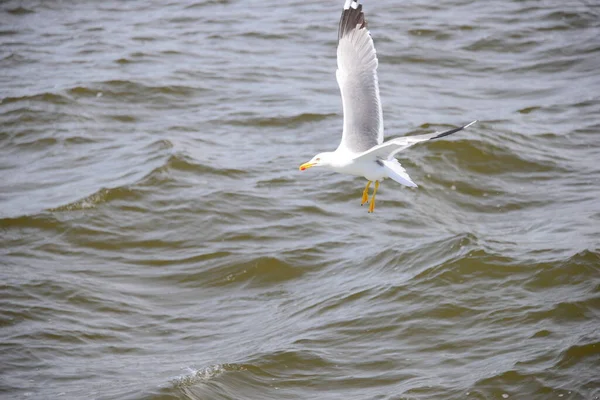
<point x="362" y="151"/>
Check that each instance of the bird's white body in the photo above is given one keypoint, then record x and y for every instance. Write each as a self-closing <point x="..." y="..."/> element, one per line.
<point x="369" y="170"/>
<point x="362" y="151"/>
<point x="347" y="163"/>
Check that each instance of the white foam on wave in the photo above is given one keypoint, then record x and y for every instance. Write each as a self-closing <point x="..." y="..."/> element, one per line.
<point x="196" y="376"/>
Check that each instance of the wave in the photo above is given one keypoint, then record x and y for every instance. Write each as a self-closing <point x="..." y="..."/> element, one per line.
<point x="512" y="383"/>
<point x="218" y="269"/>
<point x="136" y="89"/>
<point x="290" y="121"/>
<point x="41" y="221"/>
<point x="207" y="3"/>
<point x="248" y="379"/>
<point x="118" y="89"/>
<point x="196" y="376"/>
<point x="159" y="175"/>
<point x="103" y="195"/>
<point x="19" y="11"/>
<point x="46" y="97"/>
<point x="134" y="185"/>
<point x="487" y="158"/>
<point x="181" y="162"/>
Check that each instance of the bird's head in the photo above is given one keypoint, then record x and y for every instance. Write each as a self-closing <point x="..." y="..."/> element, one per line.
<point x="320" y="160"/>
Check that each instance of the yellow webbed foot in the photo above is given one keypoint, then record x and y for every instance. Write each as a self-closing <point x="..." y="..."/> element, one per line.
<point x="372" y="204"/>
<point x="365" y="196"/>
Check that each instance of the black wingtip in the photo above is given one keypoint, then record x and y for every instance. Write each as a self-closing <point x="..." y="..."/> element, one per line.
<point x="351" y="17"/>
<point x="451" y="131"/>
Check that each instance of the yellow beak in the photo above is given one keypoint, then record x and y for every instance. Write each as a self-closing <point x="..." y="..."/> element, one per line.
<point x="306" y="166"/>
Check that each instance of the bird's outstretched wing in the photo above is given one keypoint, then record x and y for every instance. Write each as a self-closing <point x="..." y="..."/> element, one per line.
<point x="387" y="150"/>
<point x="357" y="78"/>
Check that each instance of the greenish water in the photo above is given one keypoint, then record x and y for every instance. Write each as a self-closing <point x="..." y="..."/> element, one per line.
<point x="158" y="241"/>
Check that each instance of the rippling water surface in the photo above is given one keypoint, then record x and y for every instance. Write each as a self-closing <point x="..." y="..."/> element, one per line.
<point x="159" y="242"/>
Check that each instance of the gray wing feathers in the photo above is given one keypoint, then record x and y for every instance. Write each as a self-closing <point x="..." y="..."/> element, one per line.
<point x="357" y="78"/>
<point x="388" y="149"/>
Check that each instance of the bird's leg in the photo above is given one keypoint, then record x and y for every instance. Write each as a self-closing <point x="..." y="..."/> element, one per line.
<point x="365" y="197"/>
<point x="372" y="204"/>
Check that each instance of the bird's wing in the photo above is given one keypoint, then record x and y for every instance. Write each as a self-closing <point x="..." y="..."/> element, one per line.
<point x="387" y="150"/>
<point x="357" y="77"/>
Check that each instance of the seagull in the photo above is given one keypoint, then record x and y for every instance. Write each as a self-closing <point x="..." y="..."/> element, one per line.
<point x="362" y="151"/>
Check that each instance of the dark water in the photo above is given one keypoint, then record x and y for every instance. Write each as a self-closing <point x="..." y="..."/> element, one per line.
<point x="159" y="242"/>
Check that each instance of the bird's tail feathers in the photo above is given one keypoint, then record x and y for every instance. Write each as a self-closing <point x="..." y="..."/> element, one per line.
<point x="396" y="172"/>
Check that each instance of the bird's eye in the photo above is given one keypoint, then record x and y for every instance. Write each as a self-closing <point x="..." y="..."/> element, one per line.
<point x="318" y="159"/>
